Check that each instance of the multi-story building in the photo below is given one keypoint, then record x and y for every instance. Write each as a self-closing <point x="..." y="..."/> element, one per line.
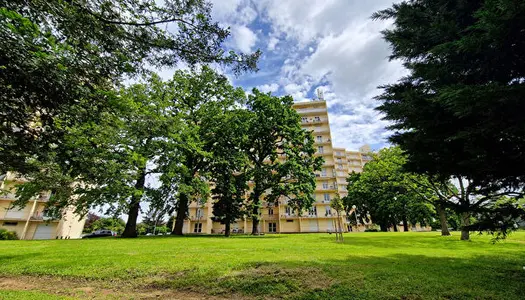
<point x="330" y="182"/>
<point x="31" y="222"/>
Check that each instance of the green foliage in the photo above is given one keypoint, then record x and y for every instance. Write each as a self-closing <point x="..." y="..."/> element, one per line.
<point x="458" y="112"/>
<point x="113" y="224"/>
<point x="281" y="154"/>
<point x="88" y="225"/>
<point x="8" y="235"/>
<point x="60" y="58"/>
<point x="387" y="194"/>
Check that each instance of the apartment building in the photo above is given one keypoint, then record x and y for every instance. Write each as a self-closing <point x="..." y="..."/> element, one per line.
<point x="31" y="222"/>
<point x="330" y="182"/>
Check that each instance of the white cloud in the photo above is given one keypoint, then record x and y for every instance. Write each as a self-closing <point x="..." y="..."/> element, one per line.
<point x="243" y="38"/>
<point x="272" y="42"/>
<point x="265" y="88"/>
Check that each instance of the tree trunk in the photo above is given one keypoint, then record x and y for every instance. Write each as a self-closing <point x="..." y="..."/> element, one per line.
<point x="227" y="229"/>
<point x="130" y="231"/>
<point x="255" y="214"/>
<point x="181" y="214"/>
<point x="465" y="221"/>
<point x="442" y="219"/>
<point x="405" y="223"/>
<point x="383" y="227"/>
<point x="395" y="227"/>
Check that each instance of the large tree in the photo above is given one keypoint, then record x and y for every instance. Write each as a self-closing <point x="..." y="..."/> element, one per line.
<point x="200" y="100"/>
<point x="388" y="194"/>
<point x="58" y="58"/>
<point x="107" y="163"/>
<point x="281" y="155"/>
<point x="229" y="168"/>
<point x="458" y="112"/>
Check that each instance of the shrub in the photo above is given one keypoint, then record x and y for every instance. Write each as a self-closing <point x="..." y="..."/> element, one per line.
<point x="8" y="235"/>
<point x="371" y="230"/>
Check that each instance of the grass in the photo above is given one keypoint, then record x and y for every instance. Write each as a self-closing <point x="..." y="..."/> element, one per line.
<point x="307" y="266"/>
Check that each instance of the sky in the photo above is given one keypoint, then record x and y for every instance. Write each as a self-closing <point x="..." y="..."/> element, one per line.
<point x="332" y="45"/>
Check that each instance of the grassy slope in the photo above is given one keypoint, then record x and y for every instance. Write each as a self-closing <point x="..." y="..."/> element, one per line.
<point x="366" y="266"/>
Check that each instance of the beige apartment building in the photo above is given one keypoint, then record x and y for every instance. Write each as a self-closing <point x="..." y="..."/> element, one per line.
<point x="31" y="222"/>
<point x="331" y="181"/>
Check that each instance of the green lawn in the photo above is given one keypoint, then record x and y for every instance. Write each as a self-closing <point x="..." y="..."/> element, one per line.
<point x="307" y="266"/>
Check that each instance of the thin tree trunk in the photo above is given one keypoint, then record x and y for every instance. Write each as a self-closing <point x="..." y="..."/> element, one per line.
<point x="181" y="214"/>
<point x="227" y="229"/>
<point x="130" y="231"/>
<point x="383" y="227"/>
<point x="395" y="227"/>
<point x="465" y="222"/>
<point x="442" y="219"/>
<point x="255" y="214"/>
<point x="405" y="223"/>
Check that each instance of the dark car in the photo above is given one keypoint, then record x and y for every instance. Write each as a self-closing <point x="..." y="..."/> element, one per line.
<point x="100" y="233"/>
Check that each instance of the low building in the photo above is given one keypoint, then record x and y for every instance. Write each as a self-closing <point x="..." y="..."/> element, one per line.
<point x="31" y="222"/>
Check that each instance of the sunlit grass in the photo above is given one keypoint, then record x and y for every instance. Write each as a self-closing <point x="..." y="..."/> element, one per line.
<point x="310" y="266"/>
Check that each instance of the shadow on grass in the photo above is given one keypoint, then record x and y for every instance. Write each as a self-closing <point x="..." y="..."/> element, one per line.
<point x="233" y="236"/>
<point x="400" y="276"/>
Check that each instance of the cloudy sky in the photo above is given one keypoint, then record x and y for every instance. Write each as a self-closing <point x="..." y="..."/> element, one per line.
<point x="309" y="44"/>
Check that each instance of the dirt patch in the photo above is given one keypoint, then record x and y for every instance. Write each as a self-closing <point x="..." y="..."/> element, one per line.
<point x="82" y="289"/>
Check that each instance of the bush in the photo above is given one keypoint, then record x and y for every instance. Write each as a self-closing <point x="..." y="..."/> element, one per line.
<point x="371" y="230"/>
<point x="8" y="235"/>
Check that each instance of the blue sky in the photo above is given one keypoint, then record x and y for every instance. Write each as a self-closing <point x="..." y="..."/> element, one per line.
<point x="308" y="44"/>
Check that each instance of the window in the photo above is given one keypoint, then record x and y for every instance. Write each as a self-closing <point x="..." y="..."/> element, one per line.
<point x="199" y="213"/>
<point x="312" y="211"/>
<point x="289" y="221"/>
<point x="323" y="172"/>
<point x="327" y="197"/>
<point x="339" y="160"/>
<point x="319" y="139"/>
<point x="325" y="185"/>
<point x="328" y="211"/>
<point x="340" y="167"/>
<point x="337" y="153"/>
<point x="10" y="223"/>
<point x="272" y="227"/>
<point x="197" y="228"/>
<point x="270" y="211"/>
<point x="288" y="210"/>
<point x="320" y="149"/>
<point x="317" y="119"/>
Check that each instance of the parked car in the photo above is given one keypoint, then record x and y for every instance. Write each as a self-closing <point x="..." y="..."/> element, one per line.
<point x="100" y="233"/>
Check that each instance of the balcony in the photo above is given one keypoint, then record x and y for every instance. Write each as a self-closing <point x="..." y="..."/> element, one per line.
<point x="289" y="216"/>
<point x="197" y="218"/>
<point x="41" y="216"/>
<point x="270" y="217"/>
<point x="8" y="196"/>
<point x="302" y="111"/>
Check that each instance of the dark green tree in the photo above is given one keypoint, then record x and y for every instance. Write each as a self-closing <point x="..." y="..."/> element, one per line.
<point x="200" y="101"/>
<point x="457" y="113"/>
<point x="229" y="169"/>
<point x="281" y="155"/>
<point x="59" y="58"/>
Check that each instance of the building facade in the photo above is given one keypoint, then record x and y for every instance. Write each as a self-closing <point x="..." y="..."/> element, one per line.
<point x="330" y="182"/>
<point x="31" y="222"/>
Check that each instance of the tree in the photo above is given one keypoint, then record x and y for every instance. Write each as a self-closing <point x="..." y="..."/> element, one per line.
<point x="388" y="194"/>
<point x="456" y="113"/>
<point x="90" y="219"/>
<point x="281" y="155"/>
<point x="113" y="224"/>
<point x="59" y="58"/>
<point x="229" y="169"/>
<point x="107" y="163"/>
<point x="200" y="101"/>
